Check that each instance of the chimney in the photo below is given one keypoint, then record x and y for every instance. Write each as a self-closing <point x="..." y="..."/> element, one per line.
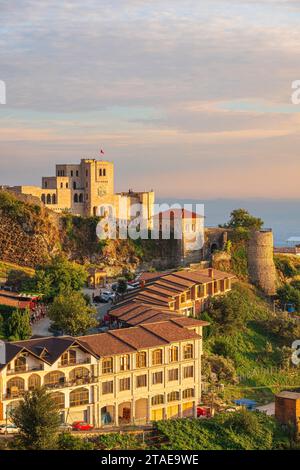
<point x="2" y="352"/>
<point x="211" y="273"/>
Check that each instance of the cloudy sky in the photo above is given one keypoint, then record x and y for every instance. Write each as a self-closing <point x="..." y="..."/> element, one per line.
<point x="191" y="98"/>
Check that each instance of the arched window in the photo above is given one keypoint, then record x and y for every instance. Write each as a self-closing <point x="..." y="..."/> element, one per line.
<point x="173" y="353"/>
<point x="53" y="199"/>
<point x="53" y="379"/>
<point x="78" y="374"/>
<point x="81" y="197"/>
<point x="34" y="382"/>
<point x="158" y="400"/>
<point x="78" y="397"/>
<point x="15" y="387"/>
<point x="59" y="399"/>
<point x="76" y="198"/>
<point x="48" y="199"/>
<point x="43" y="198"/>
<point x="74" y="184"/>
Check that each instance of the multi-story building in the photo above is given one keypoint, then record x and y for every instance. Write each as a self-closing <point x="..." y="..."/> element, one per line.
<point x="183" y="292"/>
<point x="80" y="189"/>
<point x="132" y="375"/>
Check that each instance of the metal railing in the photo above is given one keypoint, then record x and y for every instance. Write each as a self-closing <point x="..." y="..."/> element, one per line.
<point x="74" y="362"/>
<point x="24" y="369"/>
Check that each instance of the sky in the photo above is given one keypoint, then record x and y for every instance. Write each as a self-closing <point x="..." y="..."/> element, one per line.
<point x="190" y="98"/>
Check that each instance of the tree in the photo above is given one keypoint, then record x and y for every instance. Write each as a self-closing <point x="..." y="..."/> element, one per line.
<point x="122" y="286"/>
<point x="58" y="276"/>
<point x="18" y="327"/>
<point x="38" y="419"/>
<point x="229" y="313"/>
<point x="240" y="218"/>
<point x="289" y="295"/>
<point x="71" y="314"/>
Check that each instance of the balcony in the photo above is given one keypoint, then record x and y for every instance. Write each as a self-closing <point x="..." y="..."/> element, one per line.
<point x="24" y="369"/>
<point x="74" y="362"/>
<point x="73" y="383"/>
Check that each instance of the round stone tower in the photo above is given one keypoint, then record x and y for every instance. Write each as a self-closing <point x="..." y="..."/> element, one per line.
<point x="261" y="265"/>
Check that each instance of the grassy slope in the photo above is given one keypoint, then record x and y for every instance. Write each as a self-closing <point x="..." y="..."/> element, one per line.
<point x="254" y="366"/>
<point x="6" y="267"/>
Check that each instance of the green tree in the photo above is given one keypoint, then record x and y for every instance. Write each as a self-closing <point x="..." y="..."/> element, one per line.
<point x="18" y="326"/>
<point x="71" y="314"/>
<point x="122" y="286"/>
<point x="58" y="276"/>
<point x="38" y="419"/>
<point x="240" y="218"/>
<point x="289" y="295"/>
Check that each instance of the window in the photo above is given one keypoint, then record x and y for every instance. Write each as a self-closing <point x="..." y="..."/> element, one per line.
<point x="173" y="354"/>
<point x="67" y="185"/>
<point x="182" y="298"/>
<point x="74" y="184"/>
<point x="79" y="397"/>
<point x="188" y="372"/>
<point x="173" y="396"/>
<point x="107" y="387"/>
<point x="54" y="378"/>
<point x="157" y="378"/>
<point x="188" y="393"/>
<point x="71" y="172"/>
<point x="107" y="366"/>
<point x="61" y="185"/>
<point x="157" y="400"/>
<point x="59" y="399"/>
<point x="188" y="351"/>
<point x="44" y="198"/>
<point x="157" y="357"/>
<point x="79" y="374"/>
<point x="34" y="382"/>
<point x="87" y="173"/>
<point x="75" y="198"/>
<point x="124" y="384"/>
<point x="20" y="364"/>
<point x="173" y="374"/>
<point x="100" y="172"/>
<point x="188" y="295"/>
<point x="125" y="362"/>
<point x="141" y="359"/>
<point x="141" y="381"/>
<point x="77" y="174"/>
<point x="68" y="358"/>
<point x="15" y="387"/>
<point x="46" y="184"/>
<point x="104" y="172"/>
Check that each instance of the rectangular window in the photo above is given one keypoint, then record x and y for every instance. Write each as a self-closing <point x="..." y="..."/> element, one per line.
<point x="188" y="393"/>
<point x="104" y="172"/>
<point x="188" y="351"/>
<point x="157" y="378"/>
<point x="77" y="174"/>
<point x="157" y="357"/>
<point x="107" y="366"/>
<point x="125" y="362"/>
<point x="71" y="172"/>
<point x="173" y="374"/>
<point x="141" y="359"/>
<point x="141" y="381"/>
<point x="107" y="387"/>
<point x="100" y="172"/>
<point x="124" y="384"/>
<point x="188" y="372"/>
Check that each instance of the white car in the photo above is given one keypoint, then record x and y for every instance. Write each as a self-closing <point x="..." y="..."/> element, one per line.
<point x="8" y="429"/>
<point x="107" y="296"/>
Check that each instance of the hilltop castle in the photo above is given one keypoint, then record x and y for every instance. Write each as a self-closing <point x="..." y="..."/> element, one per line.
<point x="81" y="188"/>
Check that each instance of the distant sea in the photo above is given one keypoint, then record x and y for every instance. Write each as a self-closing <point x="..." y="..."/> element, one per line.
<point x="283" y="216"/>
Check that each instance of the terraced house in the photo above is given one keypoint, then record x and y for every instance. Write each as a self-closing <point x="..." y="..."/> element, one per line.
<point x="131" y="375"/>
<point x="185" y="292"/>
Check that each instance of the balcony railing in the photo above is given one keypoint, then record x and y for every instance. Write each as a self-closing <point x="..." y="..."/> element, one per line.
<point x="74" y="362"/>
<point x="72" y="383"/>
<point x="24" y="369"/>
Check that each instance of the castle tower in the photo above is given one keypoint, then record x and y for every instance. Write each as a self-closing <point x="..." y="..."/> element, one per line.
<point x="261" y="265"/>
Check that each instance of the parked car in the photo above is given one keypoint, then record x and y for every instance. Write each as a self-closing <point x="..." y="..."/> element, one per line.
<point x="81" y="426"/>
<point x="108" y="296"/>
<point x="65" y="427"/>
<point x="133" y="285"/>
<point x="98" y="299"/>
<point x="9" y="429"/>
